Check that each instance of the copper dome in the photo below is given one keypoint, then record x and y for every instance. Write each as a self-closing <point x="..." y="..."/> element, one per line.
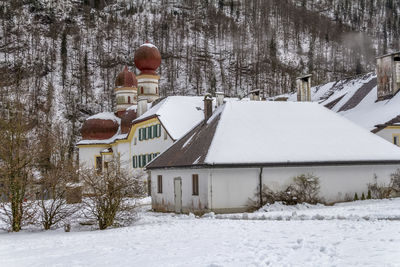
<point x="147" y="59"/>
<point x="99" y="129"/>
<point x="126" y="120"/>
<point x="126" y="78"/>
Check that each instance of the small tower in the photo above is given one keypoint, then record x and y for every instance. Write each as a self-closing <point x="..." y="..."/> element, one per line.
<point x="125" y="90"/>
<point x="304" y="88"/>
<point x="147" y="60"/>
<point x="388" y="75"/>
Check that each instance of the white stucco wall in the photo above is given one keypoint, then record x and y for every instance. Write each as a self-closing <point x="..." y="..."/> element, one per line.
<point x="87" y="155"/>
<point x="154" y="145"/>
<point x="165" y="201"/>
<point x="230" y="189"/>
<point x="388" y="134"/>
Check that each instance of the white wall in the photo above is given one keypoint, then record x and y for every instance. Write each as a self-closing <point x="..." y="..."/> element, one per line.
<point x="388" y="134"/>
<point x="154" y="145"/>
<point x="230" y="189"/>
<point x="335" y="181"/>
<point x="87" y="155"/>
<point x="165" y="201"/>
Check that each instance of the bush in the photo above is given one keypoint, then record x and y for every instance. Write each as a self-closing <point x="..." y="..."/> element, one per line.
<point x="304" y="189"/>
<point x="379" y="191"/>
<point x="355" y="197"/>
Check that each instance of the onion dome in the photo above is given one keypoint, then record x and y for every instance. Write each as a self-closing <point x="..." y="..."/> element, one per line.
<point x="126" y="78"/>
<point x="99" y="127"/>
<point x="126" y="120"/>
<point x="147" y="59"/>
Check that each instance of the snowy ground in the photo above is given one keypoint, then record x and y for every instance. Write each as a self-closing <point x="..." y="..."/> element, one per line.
<point x="363" y="233"/>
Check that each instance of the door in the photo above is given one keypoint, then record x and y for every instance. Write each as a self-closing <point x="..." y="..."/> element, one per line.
<point x="178" y="194"/>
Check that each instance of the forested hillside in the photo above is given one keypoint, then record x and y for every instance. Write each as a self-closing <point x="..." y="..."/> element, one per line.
<point x="61" y="57"/>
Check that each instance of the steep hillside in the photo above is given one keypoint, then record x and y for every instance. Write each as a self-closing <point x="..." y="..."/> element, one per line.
<point x="62" y="56"/>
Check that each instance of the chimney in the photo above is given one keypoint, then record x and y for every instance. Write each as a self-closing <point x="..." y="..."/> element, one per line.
<point x="207" y="107"/>
<point x="304" y="88"/>
<point x="141" y="106"/>
<point x="220" y="98"/>
<point x="255" y="95"/>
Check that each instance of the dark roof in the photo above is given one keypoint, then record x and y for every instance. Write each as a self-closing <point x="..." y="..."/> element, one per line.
<point x="358" y="96"/>
<point x="380" y="127"/>
<point x="190" y="150"/>
<point x="333" y="103"/>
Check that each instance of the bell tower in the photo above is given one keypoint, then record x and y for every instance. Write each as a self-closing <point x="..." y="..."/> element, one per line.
<point x="147" y="60"/>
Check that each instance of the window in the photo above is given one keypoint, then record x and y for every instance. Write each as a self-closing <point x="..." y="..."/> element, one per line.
<point x="129" y="99"/>
<point x="134" y="162"/>
<point x="144" y="134"/>
<point x="396" y="140"/>
<point x="159" y="184"/>
<point x="140" y="135"/>
<point x="99" y="164"/>
<point x="195" y="184"/>
<point x="150" y="132"/>
<point x="141" y="90"/>
<point x="156" y="90"/>
<point x="149" y="157"/>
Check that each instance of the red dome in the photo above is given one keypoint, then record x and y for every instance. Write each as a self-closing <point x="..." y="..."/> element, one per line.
<point x="126" y="120"/>
<point x="147" y="59"/>
<point x="126" y="78"/>
<point x="99" y="129"/>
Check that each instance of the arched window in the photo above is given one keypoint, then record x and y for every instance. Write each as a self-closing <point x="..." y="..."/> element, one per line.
<point x="141" y="90"/>
<point x="129" y="99"/>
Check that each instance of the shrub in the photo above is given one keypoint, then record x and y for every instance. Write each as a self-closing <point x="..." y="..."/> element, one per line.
<point x="369" y="194"/>
<point x="355" y="197"/>
<point x="362" y="196"/>
<point x="304" y="189"/>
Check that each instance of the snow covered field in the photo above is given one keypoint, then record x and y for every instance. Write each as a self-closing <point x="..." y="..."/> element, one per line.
<point x="363" y="233"/>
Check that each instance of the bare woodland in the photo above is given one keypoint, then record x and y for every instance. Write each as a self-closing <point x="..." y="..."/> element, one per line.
<point x="59" y="60"/>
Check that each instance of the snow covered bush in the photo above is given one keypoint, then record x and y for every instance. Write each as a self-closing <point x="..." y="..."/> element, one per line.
<point x="306" y="188"/>
<point x="111" y="195"/>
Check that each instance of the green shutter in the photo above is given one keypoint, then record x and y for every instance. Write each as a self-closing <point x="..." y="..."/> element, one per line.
<point x="140" y="134"/>
<point x="154" y="129"/>
<point x="149" y="157"/>
<point x="144" y="132"/>
<point x="149" y="132"/>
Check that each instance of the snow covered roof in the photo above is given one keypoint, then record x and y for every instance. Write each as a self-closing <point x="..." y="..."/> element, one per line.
<point x="116" y="137"/>
<point x="105" y="116"/>
<point x="355" y="99"/>
<point x="178" y="114"/>
<point x="277" y="133"/>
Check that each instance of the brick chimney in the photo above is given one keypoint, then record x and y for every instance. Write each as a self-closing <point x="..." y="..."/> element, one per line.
<point x="207" y="107"/>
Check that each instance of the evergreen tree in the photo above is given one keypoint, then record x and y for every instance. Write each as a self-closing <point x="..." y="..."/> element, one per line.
<point x="355" y="197"/>
<point x="362" y="196"/>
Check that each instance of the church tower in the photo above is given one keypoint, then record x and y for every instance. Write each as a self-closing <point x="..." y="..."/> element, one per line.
<point x="125" y="90"/>
<point x="147" y="60"/>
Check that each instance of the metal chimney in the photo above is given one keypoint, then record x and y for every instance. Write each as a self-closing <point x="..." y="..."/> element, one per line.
<point x="220" y="98"/>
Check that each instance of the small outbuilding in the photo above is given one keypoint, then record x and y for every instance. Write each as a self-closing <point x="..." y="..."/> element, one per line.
<point x="218" y="165"/>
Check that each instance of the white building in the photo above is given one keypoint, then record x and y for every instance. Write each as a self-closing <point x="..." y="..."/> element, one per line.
<point x="219" y="165"/>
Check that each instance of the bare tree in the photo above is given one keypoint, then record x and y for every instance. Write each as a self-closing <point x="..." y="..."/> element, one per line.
<point x="58" y="172"/>
<point x="16" y="165"/>
<point x="108" y="194"/>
